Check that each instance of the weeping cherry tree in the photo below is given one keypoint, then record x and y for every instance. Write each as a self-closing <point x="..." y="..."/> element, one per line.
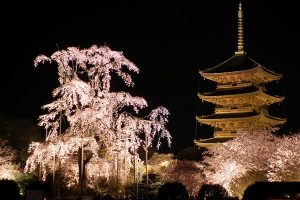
<point x="89" y="124"/>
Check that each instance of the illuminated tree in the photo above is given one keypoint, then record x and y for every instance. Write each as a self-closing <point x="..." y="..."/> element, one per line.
<point x="245" y="156"/>
<point x="285" y="161"/>
<point x="187" y="172"/>
<point x="253" y="156"/>
<point x="8" y="168"/>
<point x="158" y="161"/>
<point x="19" y="133"/>
<point x="170" y="170"/>
<point x="101" y="126"/>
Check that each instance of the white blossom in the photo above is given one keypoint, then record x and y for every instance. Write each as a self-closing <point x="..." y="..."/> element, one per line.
<point x="98" y="120"/>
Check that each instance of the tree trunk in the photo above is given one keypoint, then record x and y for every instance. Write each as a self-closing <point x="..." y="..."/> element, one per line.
<point x="83" y="159"/>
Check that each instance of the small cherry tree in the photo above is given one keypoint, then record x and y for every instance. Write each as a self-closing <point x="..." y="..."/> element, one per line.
<point x="102" y="129"/>
<point x="187" y="172"/>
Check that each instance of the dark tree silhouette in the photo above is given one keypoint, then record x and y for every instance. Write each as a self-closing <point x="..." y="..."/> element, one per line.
<point x="108" y="197"/>
<point x="172" y="191"/>
<point x="272" y="190"/>
<point x="212" y="192"/>
<point x="251" y="193"/>
<point x="43" y="187"/>
<point x="9" y="189"/>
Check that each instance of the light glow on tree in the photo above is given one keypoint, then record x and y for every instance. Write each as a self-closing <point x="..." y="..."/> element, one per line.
<point x="8" y="168"/>
<point x="285" y="161"/>
<point x="170" y="170"/>
<point x="257" y="155"/>
<point x="102" y="127"/>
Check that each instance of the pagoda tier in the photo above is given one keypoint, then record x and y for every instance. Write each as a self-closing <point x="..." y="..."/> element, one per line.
<point x="240" y="97"/>
<point x="234" y="121"/>
<point x="227" y="125"/>
<point x="239" y="69"/>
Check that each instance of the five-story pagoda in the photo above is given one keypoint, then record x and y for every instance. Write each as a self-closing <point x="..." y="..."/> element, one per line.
<point x="240" y="98"/>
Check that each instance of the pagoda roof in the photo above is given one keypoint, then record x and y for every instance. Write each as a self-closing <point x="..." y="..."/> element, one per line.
<point x="234" y="121"/>
<point x="211" y="141"/>
<point x="237" y="120"/>
<point x="251" y="95"/>
<point x="237" y="62"/>
<point x="239" y="69"/>
<point x="225" y="116"/>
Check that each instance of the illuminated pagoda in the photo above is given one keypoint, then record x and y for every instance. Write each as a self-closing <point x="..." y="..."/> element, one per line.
<point x="240" y="98"/>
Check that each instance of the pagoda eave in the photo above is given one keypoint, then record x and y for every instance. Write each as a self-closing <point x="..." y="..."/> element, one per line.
<point x="252" y="122"/>
<point x="257" y="98"/>
<point x="211" y="141"/>
<point x="255" y="75"/>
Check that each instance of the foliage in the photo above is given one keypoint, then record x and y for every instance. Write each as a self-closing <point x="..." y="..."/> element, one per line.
<point x="285" y="161"/>
<point x="241" y="184"/>
<point x="24" y="180"/>
<point x="253" y="156"/>
<point x="190" y="153"/>
<point x="9" y="169"/>
<point x="187" y="172"/>
<point x="102" y="123"/>
<point x="19" y="133"/>
<point x="159" y="161"/>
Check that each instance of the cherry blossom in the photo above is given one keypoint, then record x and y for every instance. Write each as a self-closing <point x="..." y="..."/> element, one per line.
<point x="88" y="120"/>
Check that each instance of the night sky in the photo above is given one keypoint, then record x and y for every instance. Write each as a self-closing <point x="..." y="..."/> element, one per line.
<point x="168" y="42"/>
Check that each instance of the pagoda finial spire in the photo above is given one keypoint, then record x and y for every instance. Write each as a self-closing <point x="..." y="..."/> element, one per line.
<point x="240" y="46"/>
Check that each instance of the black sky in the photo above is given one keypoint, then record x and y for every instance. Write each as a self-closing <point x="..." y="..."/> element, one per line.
<point x="168" y="42"/>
